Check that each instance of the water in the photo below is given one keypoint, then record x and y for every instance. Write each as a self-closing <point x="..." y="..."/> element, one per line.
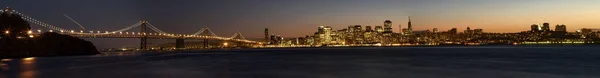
<point x="363" y="62"/>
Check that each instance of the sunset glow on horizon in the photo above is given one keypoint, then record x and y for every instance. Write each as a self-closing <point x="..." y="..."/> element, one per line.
<point x="296" y="18"/>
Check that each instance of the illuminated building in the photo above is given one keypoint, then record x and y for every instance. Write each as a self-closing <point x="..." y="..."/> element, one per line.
<point x="478" y="31"/>
<point x="435" y="30"/>
<point x="453" y="31"/>
<point x="379" y="29"/>
<point x="409" y="30"/>
<point x="561" y="28"/>
<point x="409" y="24"/>
<point x="535" y="28"/>
<point x="267" y="38"/>
<point x="325" y="34"/>
<point x="468" y="30"/>
<point x="357" y="28"/>
<point x="405" y="31"/>
<point x="546" y="27"/>
<point x="387" y="24"/>
<point x="368" y="29"/>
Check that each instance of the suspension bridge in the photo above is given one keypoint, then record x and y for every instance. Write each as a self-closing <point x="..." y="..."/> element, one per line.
<point x="204" y="34"/>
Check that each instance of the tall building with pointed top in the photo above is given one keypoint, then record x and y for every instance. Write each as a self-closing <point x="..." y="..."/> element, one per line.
<point x="409" y="24"/>
<point x="408" y="31"/>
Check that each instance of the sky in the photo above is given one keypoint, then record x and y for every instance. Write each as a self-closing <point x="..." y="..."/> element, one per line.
<point x="297" y="18"/>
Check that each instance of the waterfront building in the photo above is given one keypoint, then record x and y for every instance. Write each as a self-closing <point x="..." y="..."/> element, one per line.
<point x="535" y="28"/>
<point x="267" y="38"/>
<point x="561" y="28"/>
<point x="546" y="27"/>
<point x="387" y="24"/>
<point x="368" y="29"/>
<point x="379" y="29"/>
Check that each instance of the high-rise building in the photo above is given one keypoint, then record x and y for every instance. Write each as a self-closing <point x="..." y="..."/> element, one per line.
<point x="546" y="27"/>
<point x="351" y="28"/>
<point x="357" y="28"/>
<point x="453" y="31"/>
<point x="387" y="26"/>
<point x="435" y="30"/>
<point x="368" y="29"/>
<point x="405" y="31"/>
<point x="478" y="31"/>
<point x="409" y="29"/>
<point x="468" y="30"/>
<point x="273" y="39"/>
<point x="325" y="34"/>
<point x="267" y="38"/>
<point x="561" y="28"/>
<point x="321" y="29"/>
<point x="409" y="24"/>
<point x="379" y="29"/>
<point x="535" y="28"/>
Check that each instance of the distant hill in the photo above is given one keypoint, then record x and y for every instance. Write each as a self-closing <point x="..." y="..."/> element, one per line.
<point x="15" y="42"/>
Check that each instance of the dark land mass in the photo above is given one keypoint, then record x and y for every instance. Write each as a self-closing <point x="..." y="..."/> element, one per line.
<point x="16" y="41"/>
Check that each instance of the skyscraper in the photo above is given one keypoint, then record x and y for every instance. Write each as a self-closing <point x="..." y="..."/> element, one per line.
<point x="409" y="24"/>
<point x="535" y="28"/>
<point x="267" y="35"/>
<point x="368" y="29"/>
<point x="321" y="29"/>
<point x="408" y="30"/>
<point x="546" y="27"/>
<point x="387" y="26"/>
<point x="453" y="31"/>
<point x="357" y="28"/>
<point x="379" y="29"/>
<point x="561" y="28"/>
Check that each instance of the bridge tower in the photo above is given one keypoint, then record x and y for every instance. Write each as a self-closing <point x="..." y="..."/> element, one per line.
<point x="144" y="38"/>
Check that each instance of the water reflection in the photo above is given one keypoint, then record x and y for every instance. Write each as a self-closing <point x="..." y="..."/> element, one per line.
<point x="3" y="64"/>
<point x="28" y="68"/>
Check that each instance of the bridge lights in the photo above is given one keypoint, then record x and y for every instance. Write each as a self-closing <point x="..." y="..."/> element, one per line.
<point x="50" y="30"/>
<point x="225" y="44"/>
<point x="72" y="31"/>
<point x="80" y="31"/>
<point x="39" y="31"/>
<point x="30" y="36"/>
<point x="7" y="32"/>
<point x="120" y="32"/>
<point x="91" y="31"/>
<point x="29" y="32"/>
<point x="98" y="31"/>
<point x="61" y="31"/>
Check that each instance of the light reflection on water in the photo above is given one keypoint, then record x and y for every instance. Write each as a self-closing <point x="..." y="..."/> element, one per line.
<point x="28" y="68"/>
<point x="24" y="67"/>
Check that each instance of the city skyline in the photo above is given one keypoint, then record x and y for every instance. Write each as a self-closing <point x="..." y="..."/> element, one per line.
<point x="298" y="18"/>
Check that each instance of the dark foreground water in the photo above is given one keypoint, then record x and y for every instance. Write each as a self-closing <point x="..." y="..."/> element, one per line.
<point x="366" y="62"/>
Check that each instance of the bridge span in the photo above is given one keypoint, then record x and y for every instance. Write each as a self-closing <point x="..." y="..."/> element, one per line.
<point x="204" y="34"/>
